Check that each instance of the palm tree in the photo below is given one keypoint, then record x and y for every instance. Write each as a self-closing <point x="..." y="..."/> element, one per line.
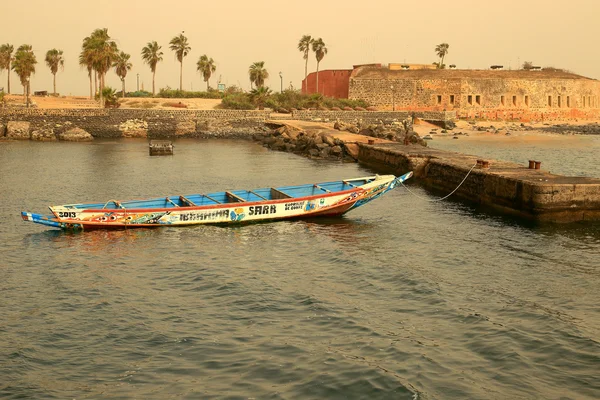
<point x="151" y="55"/>
<point x="441" y="50"/>
<point x="101" y="52"/>
<point x="304" y="47"/>
<point x="54" y="59"/>
<point x="259" y="96"/>
<point x="86" y="60"/>
<point x="24" y="66"/>
<point x="179" y="44"/>
<point x="320" y="50"/>
<point x="6" y="59"/>
<point x="206" y="67"/>
<point x="258" y="74"/>
<point x="122" y="65"/>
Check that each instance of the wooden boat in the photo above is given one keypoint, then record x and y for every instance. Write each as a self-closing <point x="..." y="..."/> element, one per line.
<point x="287" y="202"/>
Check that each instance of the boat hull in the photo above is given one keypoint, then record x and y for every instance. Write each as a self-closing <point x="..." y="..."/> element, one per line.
<point x="327" y="204"/>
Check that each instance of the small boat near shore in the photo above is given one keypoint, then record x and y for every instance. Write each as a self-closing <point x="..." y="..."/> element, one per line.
<point x="286" y="202"/>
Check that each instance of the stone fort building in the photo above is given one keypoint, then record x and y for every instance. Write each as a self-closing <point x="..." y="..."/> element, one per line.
<point x="547" y="94"/>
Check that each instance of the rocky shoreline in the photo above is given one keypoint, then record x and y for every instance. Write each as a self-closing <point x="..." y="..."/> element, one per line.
<point x="320" y="143"/>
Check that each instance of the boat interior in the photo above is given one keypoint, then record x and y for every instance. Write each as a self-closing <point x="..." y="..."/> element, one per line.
<point x="228" y="197"/>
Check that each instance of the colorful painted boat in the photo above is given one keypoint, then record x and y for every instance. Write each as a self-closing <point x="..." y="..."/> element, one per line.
<point x="287" y="202"/>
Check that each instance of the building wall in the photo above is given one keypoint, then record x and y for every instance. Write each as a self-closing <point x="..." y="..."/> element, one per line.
<point x="470" y="95"/>
<point x="332" y="83"/>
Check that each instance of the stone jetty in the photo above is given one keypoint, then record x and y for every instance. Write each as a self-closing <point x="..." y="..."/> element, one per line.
<point x="508" y="187"/>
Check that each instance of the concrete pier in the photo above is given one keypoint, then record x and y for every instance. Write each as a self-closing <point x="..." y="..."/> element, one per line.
<point x="508" y="187"/>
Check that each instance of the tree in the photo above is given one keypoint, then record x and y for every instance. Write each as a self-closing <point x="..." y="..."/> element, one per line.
<point x="85" y="60"/>
<point x="122" y="65"/>
<point x="24" y="67"/>
<point x="99" y="52"/>
<point x="320" y="50"/>
<point x="206" y="67"/>
<point x="54" y="59"/>
<point x="441" y="50"/>
<point x="179" y="44"/>
<point x="528" y="65"/>
<point x="6" y="59"/>
<point x="259" y="96"/>
<point x="304" y="47"/>
<point x="152" y="55"/>
<point x="258" y="73"/>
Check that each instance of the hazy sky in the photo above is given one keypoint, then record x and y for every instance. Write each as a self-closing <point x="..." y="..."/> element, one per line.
<point x="238" y="32"/>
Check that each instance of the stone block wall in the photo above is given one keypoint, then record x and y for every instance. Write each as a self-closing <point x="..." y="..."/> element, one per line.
<point x="493" y="97"/>
<point x="109" y="123"/>
<point x="371" y="117"/>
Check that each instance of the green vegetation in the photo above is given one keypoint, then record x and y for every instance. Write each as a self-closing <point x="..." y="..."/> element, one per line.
<point x="441" y="50"/>
<point x="179" y="44"/>
<point x="206" y="67"/>
<point x="258" y="74"/>
<point x="122" y="65"/>
<point x="304" y="47"/>
<point x="109" y="96"/>
<point x="318" y="46"/>
<point x="528" y="65"/>
<point x="259" y="96"/>
<point x="24" y="67"/>
<point x="152" y="55"/>
<point x="54" y="59"/>
<point x="6" y="59"/>
<point x="286" y="101"/>
<point x="98" y="53"/>
<point x="168" y="93"/>
<point x="139" y="93"/>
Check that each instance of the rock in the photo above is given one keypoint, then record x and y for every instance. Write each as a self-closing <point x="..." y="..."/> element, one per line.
<point x="294" y="134"/>
<point x="353" y="129"/>
<point x="134" y="128"/>
<point x="45" y="134"/>
<point x="18" y="130"/>
<point x="75" y="135"/>
<point x="328" y="139"/>
<point x="313" y="152"/>
<point x="322" y="146"/>
<point x="352" y="150"/>
<point x="336" y="150"/>
<point x="449" y="125"/>
<point x="185" y="128"/>
<point x="324" y="153"/>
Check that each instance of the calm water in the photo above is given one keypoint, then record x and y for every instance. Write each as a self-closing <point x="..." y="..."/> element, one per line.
<point x="559" y="154"/>
<point x="401" y="299"/>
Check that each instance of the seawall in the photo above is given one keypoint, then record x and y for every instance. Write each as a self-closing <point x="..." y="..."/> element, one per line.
<point x="113" y="123"/>
<point x="156" y="124"/>
<point x="507" y="187"/>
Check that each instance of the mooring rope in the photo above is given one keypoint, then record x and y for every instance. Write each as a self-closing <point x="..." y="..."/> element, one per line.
<point x="445" y="197"/>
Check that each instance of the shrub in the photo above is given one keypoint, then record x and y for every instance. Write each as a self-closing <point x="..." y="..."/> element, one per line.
<point x="237" y="101"/>
<point x="168" y="93"/>
<point x="139" y="93"/>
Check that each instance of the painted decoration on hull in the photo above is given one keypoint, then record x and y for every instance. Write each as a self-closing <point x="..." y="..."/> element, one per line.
<point x="77" y="216"/>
